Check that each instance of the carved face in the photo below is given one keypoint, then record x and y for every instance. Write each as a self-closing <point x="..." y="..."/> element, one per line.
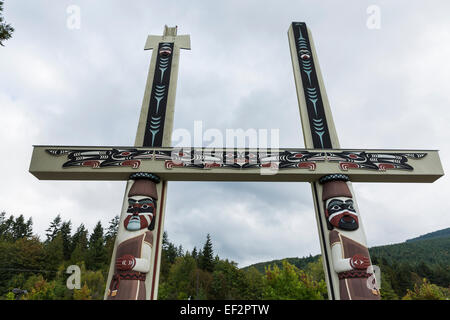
<point x="341" y="213"/>
<point x="165" y="50"/>
<point x="305" y="54"/>
<point x="141" y="212"/>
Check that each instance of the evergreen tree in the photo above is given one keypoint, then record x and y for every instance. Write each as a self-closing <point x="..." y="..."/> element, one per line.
<point x="22" y="229"/>
<point x="194" y="253"/>
<point x="112" y="228"/>
<point x="97" y="253"/>
<point x="180" y="251"/>
<point x="6" y="226"/>
<point x="111" y="233"/>
<point x="54" y="253"/>
<point x="66" y="232"/>
<point x="169" y="248"/>
<point x="80" y="233"/>
<point x="54" y="228"/>
<point x="5" y="29"/>
<point x="206" y="260"/>
<point x="79" y="245"/>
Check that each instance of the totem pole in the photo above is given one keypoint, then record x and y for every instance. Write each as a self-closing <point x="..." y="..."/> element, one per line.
<point x="134" y="270"/>
<point x="347" y="264"/>
<point x="349" y="253"/>
<point x="135" y="240"/>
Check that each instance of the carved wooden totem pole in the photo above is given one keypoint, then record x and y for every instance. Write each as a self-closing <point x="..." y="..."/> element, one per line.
<point x="349" y="252"/>
<point x="344" y="250"/>
<point x="135" y="240"/>
<point x="134" y="270"/>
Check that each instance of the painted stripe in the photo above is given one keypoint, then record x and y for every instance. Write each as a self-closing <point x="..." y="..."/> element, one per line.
<point x="324" y="244"/>
<point x="154" y="132"/>
<point x="158" y="237"/>
<point x="311" y="90"/>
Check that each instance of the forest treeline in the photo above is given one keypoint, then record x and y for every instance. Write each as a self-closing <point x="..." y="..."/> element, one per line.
<point x="31" y="268"/>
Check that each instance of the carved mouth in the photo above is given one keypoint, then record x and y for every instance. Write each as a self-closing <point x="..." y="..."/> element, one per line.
<point x="348" y="223"/>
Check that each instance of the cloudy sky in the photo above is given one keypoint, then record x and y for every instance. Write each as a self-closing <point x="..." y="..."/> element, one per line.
<point x="388" y="88"/>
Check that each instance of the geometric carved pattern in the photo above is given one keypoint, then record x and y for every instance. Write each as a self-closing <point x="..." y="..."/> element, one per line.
<point x="158" y="98"/>
<point x="314" y="104"/>
<point x="235" y="159"/>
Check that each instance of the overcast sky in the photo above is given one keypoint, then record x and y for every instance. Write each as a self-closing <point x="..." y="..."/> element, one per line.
<point x="388" y="88"/>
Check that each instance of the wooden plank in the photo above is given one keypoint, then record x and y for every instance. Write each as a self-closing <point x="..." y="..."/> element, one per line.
<point x="288" y="165"/>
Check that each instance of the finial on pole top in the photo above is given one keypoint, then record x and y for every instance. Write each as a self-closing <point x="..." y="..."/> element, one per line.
<point x="169" y="35"/>
<point x="170" y="31"/>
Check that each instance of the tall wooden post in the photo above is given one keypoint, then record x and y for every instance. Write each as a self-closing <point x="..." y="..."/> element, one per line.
<point x="154" y="130"/>
<point x="319" y="132"/>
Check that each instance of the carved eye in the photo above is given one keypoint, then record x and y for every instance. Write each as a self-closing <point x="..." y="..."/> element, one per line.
<point x="350" y="207"/>
<point x="335" y="207"/>
<point x="145" y="206"/>
<point x="130" y="207"/>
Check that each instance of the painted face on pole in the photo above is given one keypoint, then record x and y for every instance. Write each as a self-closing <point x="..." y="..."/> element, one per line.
<point x="141" y="212"/>
<point x="341" y="213"/>
<point x="339" y="207"/>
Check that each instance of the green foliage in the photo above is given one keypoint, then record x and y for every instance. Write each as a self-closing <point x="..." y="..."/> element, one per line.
<point x="431" y="251"/>
<point x="39" y="267"/>
<point x="95" y="281"/>
<point x="65" y="231"/>
<point x="444" y="233"/>
<point x="79" y="245"/>
<point x="6" y="30"/>
<point x="300" y="263"/>
<point x="54" y="252"/>
<point x="181" y="276"/>
<point x="427" y="291"/>
<point x="84" y="293"/>
<point x="228" y="282"/>
<point x="291" y="283"/>
<point x="315" y="270"/>
<point x="10" y="296"/>
<point x="206" y="257"/>
<point x="41" y="290"/>
<point x="97" y="254"/>
<point x="53" y="229"/>
<point x="13" y="229"/>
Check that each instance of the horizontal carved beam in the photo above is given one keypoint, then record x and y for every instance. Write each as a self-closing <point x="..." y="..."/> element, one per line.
<point x="206" y="164"/>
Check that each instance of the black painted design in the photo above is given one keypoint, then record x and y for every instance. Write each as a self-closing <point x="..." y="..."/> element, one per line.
<point x="158" y="98"/>
<point x="235" y="159"/>
<point x="145" y="175"/>
<point x="334" y="177"/>
<point x="316" y="113"/>
<point x="374" y="161"/>
<point x="103" y="158"/>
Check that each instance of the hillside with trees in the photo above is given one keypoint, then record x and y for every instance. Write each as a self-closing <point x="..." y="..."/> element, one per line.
<point x="35" y="269"/>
